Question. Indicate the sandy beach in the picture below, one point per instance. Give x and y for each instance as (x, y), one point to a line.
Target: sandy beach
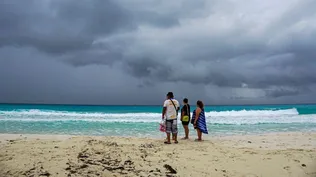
(269, 155)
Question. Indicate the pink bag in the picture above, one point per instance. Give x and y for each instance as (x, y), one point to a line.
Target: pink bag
(162, 127)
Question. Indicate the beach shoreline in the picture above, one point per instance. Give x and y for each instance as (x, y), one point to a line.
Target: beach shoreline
(273, 154)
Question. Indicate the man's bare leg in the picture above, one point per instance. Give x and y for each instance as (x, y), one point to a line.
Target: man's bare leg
(168, 139)
(175, 137)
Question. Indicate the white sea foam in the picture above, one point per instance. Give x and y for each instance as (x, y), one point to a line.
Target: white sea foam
(253, 113)
(221, 117)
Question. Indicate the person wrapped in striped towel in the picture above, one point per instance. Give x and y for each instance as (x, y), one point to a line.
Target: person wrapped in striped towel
(199, 120)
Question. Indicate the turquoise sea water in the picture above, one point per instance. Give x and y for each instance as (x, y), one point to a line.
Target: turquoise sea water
(143, 121)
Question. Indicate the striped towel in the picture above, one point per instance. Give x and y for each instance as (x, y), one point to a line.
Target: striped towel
(201, 122)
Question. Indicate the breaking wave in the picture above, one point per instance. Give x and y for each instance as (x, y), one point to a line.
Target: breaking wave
(213, 117)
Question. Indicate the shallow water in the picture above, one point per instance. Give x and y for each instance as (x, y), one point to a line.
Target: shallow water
(142, 121)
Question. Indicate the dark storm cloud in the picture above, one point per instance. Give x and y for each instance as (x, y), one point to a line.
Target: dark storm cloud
(284, 58)
(59, 26)
(257, 51)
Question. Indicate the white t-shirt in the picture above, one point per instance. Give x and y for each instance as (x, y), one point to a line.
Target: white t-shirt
(171, 112)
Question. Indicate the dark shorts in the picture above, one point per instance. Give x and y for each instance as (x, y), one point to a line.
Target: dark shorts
(186, 123)
(171, 126)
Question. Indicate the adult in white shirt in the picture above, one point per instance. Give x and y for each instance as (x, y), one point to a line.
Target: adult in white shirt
(170, 113)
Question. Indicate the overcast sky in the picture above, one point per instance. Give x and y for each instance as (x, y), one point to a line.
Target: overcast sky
(135, 51)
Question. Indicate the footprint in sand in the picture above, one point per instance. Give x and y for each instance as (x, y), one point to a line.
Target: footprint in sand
(286, 168)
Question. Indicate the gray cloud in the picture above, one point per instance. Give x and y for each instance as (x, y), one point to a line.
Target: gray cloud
(279, 92)
(135, 51)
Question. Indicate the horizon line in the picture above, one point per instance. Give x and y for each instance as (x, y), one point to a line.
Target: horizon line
(71, 104)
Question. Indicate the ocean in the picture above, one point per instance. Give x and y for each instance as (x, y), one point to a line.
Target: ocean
(143, 121)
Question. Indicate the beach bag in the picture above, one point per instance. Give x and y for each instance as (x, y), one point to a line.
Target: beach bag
(193, 117)
(185, 119)
(192, 121)
(162, 126)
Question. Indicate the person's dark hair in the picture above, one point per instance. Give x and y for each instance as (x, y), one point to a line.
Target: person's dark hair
(200, 104)
(185, 100)
(170, 95)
